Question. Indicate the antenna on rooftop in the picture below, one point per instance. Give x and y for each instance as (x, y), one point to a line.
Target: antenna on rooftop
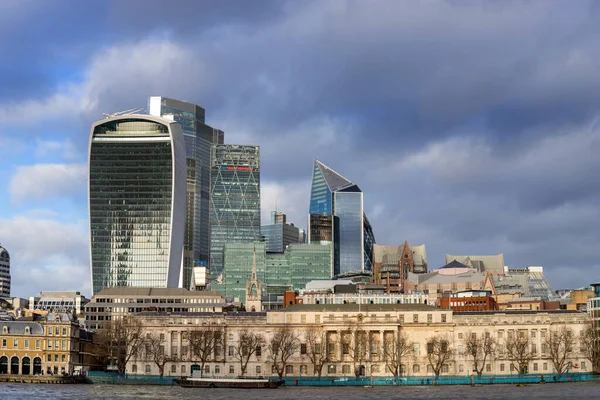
(126, 112)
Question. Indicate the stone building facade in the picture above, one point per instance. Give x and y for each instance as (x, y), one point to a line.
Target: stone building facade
(50, 345)
(379, 324)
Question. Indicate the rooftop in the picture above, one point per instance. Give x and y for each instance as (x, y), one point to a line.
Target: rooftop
(359, 307)
(156, 292)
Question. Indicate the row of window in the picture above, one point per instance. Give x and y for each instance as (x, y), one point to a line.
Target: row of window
(38, 343)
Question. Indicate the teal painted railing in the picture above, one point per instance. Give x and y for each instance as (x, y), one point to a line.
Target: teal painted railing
(129, 379)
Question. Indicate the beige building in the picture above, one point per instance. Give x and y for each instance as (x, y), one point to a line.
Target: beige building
(116, 302)
(50, 345)
(377, 324)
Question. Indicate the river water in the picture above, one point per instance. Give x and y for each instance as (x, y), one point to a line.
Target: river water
(565, 391)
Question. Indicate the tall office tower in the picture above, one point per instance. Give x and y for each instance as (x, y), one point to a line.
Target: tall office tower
(4, 272)
(336, 215)
(199, 137)
(136, 197)
(279, 234)
(234, 201)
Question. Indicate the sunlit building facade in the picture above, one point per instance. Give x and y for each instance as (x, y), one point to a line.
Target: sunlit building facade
(349, 229)
(199, 138)
(235, 200)
(136, 192)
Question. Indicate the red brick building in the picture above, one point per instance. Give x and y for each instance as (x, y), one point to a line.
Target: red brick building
(469, 301)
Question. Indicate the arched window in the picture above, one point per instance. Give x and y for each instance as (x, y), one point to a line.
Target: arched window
(231, 369)
(134, 369)
(3, 365)
(258, 370)
(5, 329)
(14, 365)
(26, 366)
(27, 330)
(303, 369)
(416, 369)
(289, 369)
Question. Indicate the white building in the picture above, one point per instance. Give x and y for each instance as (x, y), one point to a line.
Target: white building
(58, 301)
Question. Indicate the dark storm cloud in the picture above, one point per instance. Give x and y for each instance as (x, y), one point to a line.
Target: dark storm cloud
(469, 126)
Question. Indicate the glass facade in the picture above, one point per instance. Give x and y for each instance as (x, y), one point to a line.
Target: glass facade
(235, 200)
(134, 179)
(279, 272)
(278, 236)
(4, 273)
(348, 207)
(199, 138)
(350, 231)
(238, 258)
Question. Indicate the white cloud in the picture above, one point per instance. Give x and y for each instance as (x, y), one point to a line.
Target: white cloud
(113, 78)
(54, 148)
(292, 198)
(46, 254)
(40, 181)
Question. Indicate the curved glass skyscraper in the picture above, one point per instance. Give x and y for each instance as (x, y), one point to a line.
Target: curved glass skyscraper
(137, 190)
(337, 217)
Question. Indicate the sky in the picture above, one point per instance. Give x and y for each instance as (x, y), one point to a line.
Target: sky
(472, 127)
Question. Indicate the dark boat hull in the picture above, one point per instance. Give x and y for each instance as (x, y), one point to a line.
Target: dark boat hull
(238, 384)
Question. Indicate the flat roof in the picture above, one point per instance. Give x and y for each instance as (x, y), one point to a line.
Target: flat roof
(156, 292)
(359, 307)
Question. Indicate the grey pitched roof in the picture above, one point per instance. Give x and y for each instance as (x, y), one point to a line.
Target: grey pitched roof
(59, 317)
(18, 327)
(455, 264)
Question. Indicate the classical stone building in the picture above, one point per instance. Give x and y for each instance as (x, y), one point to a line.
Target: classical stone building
(50, 345)
(346, 330)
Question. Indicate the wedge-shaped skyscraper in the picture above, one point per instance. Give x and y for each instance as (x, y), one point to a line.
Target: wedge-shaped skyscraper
(337, 217)
(137, 190)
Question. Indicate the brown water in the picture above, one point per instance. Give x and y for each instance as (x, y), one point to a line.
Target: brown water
(566, 391)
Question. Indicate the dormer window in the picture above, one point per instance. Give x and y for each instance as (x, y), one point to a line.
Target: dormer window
(5, 329)
(27, 330)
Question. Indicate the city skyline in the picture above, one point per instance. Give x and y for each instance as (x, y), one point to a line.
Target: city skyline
(470, 129)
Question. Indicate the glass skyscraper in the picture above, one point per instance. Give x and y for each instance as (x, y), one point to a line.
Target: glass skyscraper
(336, 212)
(136, 202)
(235, 200)
(199, 138)
(4, 272)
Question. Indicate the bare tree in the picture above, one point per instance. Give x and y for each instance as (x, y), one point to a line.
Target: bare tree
(283, 344)
(155, 351)
(354, 344)
(247, 345)
(519, 350)
(590, 345)
(560, 346)
(396, 351)
(480, 348)
(119, 340)
(204, 344)
(316, 340)
(439, 352)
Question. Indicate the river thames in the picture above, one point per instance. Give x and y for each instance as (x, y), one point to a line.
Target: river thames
(589, 390)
